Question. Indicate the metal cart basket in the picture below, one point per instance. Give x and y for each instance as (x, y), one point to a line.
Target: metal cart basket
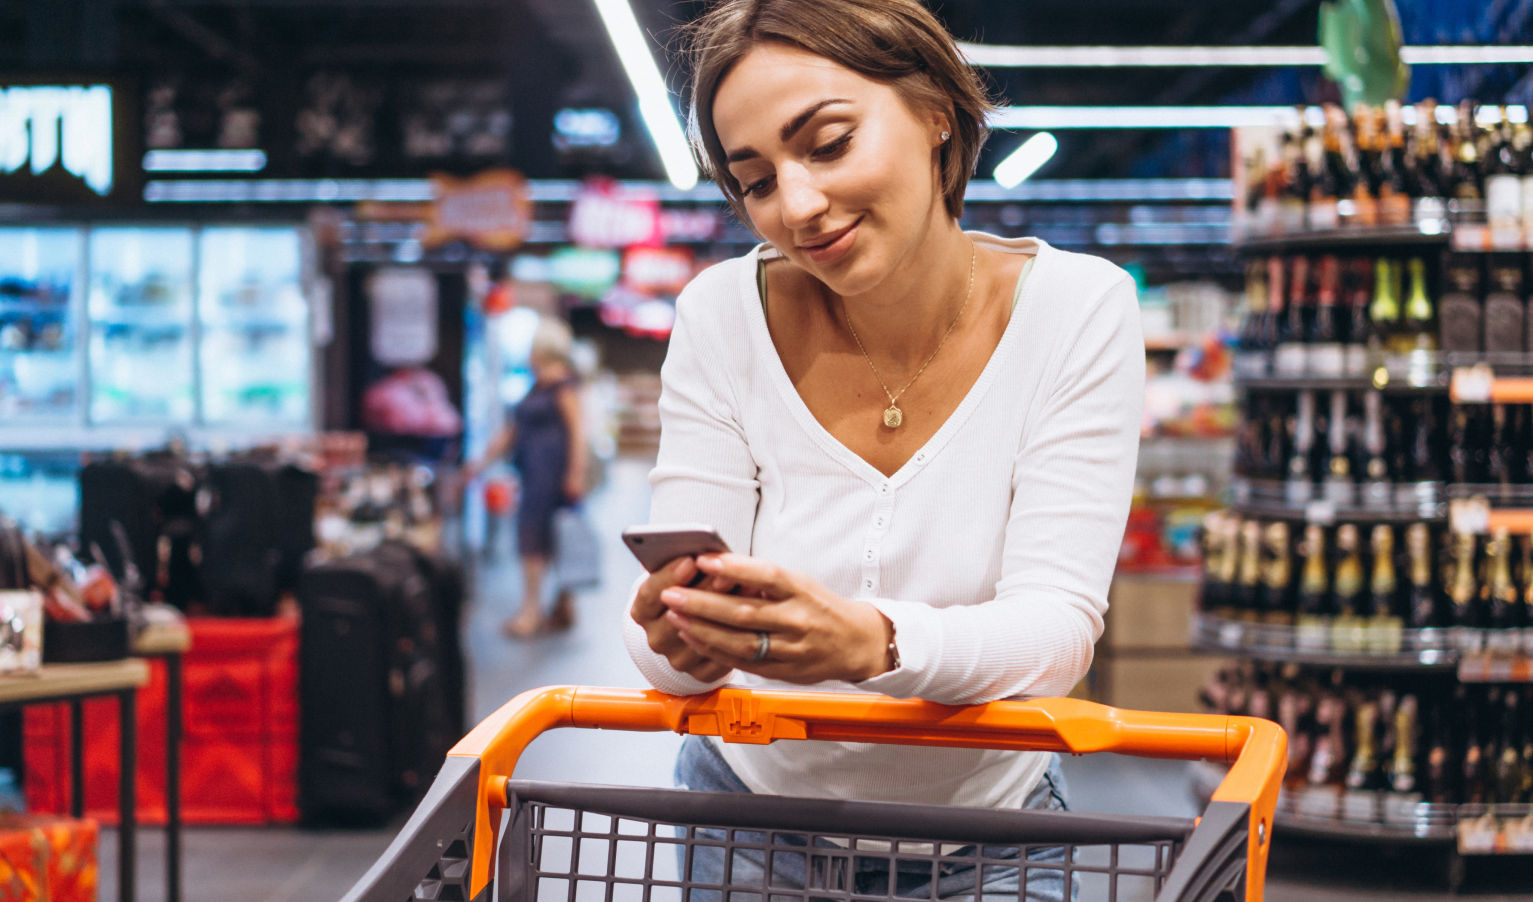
(481, 835)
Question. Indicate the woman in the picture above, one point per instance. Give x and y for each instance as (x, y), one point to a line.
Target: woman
(545, 437)
(919, 442)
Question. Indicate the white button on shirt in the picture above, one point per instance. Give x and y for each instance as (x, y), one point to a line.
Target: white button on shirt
(991, 550)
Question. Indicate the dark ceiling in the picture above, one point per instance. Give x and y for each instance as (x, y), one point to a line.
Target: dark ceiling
(536, 56)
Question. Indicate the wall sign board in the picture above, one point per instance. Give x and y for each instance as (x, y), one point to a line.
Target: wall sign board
(66, 142)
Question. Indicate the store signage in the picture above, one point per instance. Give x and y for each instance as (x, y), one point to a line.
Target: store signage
(604, 214)
(43, 126)
(657, 270)
(492, 210)
(689, 225)
(583, 271)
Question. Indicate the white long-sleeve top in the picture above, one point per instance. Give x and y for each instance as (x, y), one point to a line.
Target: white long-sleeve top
(990, 550)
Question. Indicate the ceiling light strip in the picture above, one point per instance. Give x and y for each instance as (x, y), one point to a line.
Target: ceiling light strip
(1002, 56)
(204, 161)
(654, 97)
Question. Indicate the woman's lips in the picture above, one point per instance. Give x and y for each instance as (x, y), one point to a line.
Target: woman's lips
(829, 253)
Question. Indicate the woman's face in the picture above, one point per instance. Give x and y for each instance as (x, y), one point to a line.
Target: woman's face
(838, 172)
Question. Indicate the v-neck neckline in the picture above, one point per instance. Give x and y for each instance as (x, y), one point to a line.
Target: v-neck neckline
(762, 336)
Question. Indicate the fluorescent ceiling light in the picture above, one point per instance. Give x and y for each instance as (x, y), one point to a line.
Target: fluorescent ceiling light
(1053, 117)
(1025, 160)
(204, 161)
(1021, 56)
(654, 98)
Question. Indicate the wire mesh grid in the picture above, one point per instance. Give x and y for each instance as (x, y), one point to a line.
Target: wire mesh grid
(573, 854)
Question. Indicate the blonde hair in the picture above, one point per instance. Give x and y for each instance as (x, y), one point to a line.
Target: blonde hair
(553, 340)
(896, 42)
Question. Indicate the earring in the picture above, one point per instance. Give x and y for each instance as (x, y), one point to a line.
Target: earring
(946, 135)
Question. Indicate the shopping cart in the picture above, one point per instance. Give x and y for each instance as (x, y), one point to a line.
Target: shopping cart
(480, 834)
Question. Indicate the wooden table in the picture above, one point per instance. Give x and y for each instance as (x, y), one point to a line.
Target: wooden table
(74, 683)
(169, 640)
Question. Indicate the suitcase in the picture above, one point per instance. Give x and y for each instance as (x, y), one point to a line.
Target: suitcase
(376, 715)
(259, 526)
(155, 501)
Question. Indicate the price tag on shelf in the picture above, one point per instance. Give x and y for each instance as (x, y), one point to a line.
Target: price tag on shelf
(1320, 512)
(1472, 384)
(1469, 515)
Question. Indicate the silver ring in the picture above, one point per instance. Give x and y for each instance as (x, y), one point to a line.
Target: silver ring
(763, 646)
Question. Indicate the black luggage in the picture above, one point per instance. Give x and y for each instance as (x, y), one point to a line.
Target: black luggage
(377, 708)
(152, 505)
(259, 526)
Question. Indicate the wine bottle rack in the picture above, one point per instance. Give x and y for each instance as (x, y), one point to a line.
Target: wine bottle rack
(1387, 502)
(1405, 649)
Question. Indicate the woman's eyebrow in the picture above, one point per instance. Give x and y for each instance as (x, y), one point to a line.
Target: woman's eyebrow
(788, 131)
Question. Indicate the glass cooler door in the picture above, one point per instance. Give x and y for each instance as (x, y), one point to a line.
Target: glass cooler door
(254, 322)
(140, 309)
(39, 367)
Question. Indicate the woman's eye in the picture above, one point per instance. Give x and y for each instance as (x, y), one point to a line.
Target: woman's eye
(834, 148)
(757, 189)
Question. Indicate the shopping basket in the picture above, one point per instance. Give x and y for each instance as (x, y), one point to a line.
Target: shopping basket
(479, 834)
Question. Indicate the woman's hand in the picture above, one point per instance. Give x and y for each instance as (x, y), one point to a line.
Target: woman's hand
(815, 634)
(651, 614)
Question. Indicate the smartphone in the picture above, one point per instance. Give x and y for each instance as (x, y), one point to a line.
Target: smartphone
(658, 544)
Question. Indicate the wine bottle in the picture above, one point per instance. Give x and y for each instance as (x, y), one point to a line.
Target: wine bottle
(1363, 772)
(1339, 489)
(1376, 489)
(1506, 324)
(1359, 294)
(1327, 356)
(1385, 621)
(1431, 205)
(1299, 489)
(1384, 310)
(1364, 208)
(1419, 332)
(1291, 203)
(1503, 601)
(1509, 768)
(1248, 573)
(1476, 771)
(1323, 189)
(1328, 762)
(1498, 452)
(1460, 313)
(1349, 618)
(1212, 593)
(1423, 612)
(1292, 355)
(1229, 563)
(1402, 768)
(1393, 192)
(1467, 180)
(1289, 719)
(1426, 441)
(1254, 326)
(1314, 609)
(1463, 593)
(1442, 773)
(1279, 597)
(1503, 189)
(1276, 321)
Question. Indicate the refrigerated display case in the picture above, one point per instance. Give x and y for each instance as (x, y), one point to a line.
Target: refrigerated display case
(39, 367)
(141, 325)
(253, 322)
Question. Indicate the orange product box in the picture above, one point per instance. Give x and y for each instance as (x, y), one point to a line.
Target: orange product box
(47, 857)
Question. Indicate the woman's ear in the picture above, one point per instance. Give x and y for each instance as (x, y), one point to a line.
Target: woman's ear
(941, 128)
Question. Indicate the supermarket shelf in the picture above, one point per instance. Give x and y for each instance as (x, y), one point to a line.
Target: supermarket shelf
(1479, 514)
(1430, 232)
(1479, 384)
(1407, 502)
(1429, 649)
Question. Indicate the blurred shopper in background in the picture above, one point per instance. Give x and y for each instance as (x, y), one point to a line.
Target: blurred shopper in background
(919, 441)
(545, 437)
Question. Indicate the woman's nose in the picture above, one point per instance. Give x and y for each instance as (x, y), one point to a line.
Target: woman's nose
(801, 200)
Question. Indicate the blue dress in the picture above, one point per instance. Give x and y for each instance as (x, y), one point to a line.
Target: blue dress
(540, 452)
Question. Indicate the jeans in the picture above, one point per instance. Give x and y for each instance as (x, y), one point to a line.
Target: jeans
(701, 767)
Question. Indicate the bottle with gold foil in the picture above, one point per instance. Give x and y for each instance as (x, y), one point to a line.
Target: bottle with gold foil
(1229, 563)
(1213, 593)
(1314, 609)
(1277, 575)
(1248, 571)
(1504, 605)
(1402, 766)
(1349, 620)
(1364, 209)
(1463, 591)
(1393, 191)
(1384, 623)
(1363, 771)
(1423, 607)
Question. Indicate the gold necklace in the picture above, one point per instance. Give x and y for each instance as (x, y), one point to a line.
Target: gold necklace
(893, 416)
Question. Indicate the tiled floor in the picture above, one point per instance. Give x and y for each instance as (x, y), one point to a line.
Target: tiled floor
(300, 865)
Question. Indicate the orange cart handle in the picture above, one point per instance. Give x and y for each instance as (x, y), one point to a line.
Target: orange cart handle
(1258, 748)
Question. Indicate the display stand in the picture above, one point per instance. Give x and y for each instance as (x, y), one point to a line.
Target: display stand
(1469, 655)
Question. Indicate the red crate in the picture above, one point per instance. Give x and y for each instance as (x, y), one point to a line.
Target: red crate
(239, 754)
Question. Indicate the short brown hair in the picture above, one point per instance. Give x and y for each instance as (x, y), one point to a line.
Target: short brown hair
(897, 42)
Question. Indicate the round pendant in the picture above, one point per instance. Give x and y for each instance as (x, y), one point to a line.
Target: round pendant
(893, 417)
